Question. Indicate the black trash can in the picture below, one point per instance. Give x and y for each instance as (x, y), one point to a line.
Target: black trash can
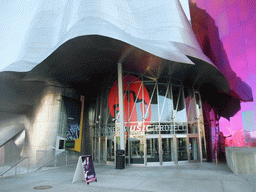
(120, 159)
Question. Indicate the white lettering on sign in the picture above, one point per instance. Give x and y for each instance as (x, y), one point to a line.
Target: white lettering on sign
(147, 128)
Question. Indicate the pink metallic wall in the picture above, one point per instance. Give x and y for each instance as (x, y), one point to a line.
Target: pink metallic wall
(226, 31)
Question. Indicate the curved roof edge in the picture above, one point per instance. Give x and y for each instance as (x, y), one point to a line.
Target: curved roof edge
(159, 39)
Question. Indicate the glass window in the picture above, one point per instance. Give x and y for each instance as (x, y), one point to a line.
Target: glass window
(134, 102)
(105, 113)
(190, 105)
(165, 103)
(113, 103)
(191, 111)
(152, 91)
(179, 104)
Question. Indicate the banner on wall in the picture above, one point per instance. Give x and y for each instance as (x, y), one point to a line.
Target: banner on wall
(85, 170)
(73, 109)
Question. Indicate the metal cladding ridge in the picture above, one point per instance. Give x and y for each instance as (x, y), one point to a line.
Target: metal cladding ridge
(157, 28)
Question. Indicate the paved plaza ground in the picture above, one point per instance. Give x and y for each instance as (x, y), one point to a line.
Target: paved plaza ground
(187, 177)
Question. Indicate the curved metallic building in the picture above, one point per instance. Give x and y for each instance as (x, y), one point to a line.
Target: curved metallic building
(73, 48)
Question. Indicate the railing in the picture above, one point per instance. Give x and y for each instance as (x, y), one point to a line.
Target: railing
(15, 165)
(55, 161)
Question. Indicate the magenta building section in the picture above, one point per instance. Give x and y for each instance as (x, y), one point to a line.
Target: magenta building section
(226, 31)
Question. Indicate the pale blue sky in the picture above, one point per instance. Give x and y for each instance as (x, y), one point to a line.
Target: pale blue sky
(15, 17)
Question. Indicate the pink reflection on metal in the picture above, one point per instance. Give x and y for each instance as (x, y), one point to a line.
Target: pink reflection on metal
(235, 21)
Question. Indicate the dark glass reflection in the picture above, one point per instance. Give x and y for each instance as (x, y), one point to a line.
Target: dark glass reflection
(165, 103)
(182, 149)
(179, 104)
(152, 91)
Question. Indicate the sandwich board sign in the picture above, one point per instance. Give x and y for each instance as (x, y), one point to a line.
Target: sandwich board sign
(85, 170)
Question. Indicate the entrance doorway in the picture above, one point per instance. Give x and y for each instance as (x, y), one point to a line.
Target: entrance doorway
(194, 152)
(136, 149)
(182, 149)
(152, 150)
(110, 149)
(171, 149)
(168, 150)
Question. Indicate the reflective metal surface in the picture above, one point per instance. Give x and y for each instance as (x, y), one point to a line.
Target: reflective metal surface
(78, 43)
(10, 129)
(70, 41)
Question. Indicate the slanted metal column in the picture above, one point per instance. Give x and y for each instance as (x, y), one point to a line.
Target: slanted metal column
(121, 106)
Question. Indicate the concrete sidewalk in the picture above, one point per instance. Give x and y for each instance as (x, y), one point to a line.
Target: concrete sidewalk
(187, 177)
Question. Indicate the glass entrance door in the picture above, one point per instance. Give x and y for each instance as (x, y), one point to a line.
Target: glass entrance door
(136, 150)
(182, 150)
(168, 150)
(103, 150)
(164, 149)
(110, 150)
(194, 152)
(152, 150)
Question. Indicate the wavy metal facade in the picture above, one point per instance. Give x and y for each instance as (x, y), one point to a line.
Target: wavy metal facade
(159, 30)
(79, 42)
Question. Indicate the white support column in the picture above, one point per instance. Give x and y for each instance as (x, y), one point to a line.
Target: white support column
(99, 149)
(175, 149)
(121, 106)
(93, 156)
(200, 142)
(106, 149)
(129, 151)
(145, 150)
(160, 150)
(115, 149)
(95, 149)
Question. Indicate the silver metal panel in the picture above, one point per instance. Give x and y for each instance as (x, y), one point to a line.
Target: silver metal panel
(91, 36)
(10, 128)
(159, 28)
